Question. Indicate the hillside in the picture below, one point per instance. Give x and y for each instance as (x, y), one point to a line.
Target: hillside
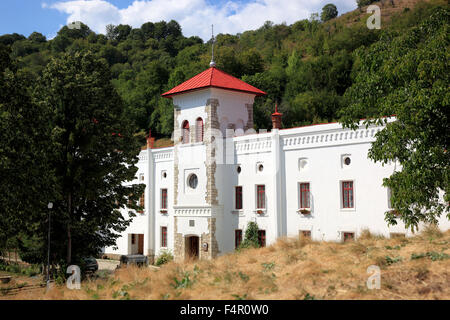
(412, 268)
(307, 66)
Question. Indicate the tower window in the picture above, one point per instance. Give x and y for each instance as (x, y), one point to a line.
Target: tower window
(199, 130)
(347, 194)
(163, 237)
(304, 195)
(193, 181)
(237, 238)
(238, 197)
(163, 198)
(186, 131)
(261, 197)
(262, 238)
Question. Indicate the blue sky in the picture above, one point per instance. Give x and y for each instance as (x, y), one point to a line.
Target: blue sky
(195, 16)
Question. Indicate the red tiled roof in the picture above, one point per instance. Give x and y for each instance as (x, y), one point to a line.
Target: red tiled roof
(213, 77)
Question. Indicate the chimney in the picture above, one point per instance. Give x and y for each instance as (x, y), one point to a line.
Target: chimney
(150, 140)
(276, 118)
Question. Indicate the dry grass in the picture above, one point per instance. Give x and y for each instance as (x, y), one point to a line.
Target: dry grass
(290, 269)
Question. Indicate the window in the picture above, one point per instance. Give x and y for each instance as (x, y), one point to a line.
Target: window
(238, 197)
(133, 238)
(193, 181)
(163, 198)
(237, 238)
(262, 238)
(347, 194)
(185, 133)
(238, 169)
(163, 236)
(141, 177)
(191, 223)
(260, 168)
(199, 130)
(260, 196)
(305, 234)
(304, 195)
(142, 202)
(349, 236)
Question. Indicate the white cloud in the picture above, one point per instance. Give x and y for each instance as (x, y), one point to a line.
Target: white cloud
(194, 16)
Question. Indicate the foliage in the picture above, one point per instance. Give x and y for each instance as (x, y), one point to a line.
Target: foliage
(406, 75)
(251, 236)
(164, 257)
(329, 11)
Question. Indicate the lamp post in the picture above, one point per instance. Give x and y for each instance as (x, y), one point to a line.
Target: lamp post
(50, 206)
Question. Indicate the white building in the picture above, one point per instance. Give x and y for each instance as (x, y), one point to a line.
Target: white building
(314, 181)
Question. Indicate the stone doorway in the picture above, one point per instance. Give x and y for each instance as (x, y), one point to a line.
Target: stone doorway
(192, 247)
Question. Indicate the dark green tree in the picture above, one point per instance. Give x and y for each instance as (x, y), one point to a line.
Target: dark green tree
(24, 172)
(251, 239)
(94, 152)
(329, 11)
(407, 76)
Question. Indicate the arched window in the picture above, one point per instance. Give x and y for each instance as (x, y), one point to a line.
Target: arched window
(185, 133)
(199, 130)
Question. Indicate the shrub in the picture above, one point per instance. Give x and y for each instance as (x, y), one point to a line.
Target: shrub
(164, 257)
(251, 236)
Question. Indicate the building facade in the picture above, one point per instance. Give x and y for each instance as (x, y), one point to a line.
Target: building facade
(314, 181)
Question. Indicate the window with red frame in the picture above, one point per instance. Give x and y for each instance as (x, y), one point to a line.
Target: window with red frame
(347, 194)
(305, 234)
(262, 238)
(142, 202)
(186, 131)
(238, 198)
(163, 198)
(237, 238)
(261, 197)
(304, 195)
(163, 236)
(349, 236)
(199, 130)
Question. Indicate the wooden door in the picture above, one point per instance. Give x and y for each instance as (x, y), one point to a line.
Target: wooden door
(140, 244)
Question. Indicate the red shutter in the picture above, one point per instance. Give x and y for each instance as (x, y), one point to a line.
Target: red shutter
(261, 197)
(347, 194)
(304, 195)
(163, 236)
(163, 198)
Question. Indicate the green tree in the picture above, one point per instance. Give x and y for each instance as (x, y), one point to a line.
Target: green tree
(407, 76)
(251, 239)
(329, 11)
(94, 152)
(24, 172)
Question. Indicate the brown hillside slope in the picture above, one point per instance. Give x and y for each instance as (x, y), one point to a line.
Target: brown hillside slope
(412, 268)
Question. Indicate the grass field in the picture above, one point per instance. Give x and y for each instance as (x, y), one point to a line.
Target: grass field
(411, 268)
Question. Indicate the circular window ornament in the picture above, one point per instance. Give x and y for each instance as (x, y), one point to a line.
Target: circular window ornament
(193, 181)
(347, 161)
(260, 168)
(239, 169)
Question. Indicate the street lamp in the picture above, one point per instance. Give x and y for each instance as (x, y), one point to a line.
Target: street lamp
(50, 206)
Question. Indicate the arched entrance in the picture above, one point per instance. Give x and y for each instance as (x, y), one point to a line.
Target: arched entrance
(192, 247)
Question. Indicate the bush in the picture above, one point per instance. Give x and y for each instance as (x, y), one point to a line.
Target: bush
(164, 257)
(251, 236)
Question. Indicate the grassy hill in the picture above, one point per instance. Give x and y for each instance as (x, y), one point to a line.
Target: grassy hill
(411, 268)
